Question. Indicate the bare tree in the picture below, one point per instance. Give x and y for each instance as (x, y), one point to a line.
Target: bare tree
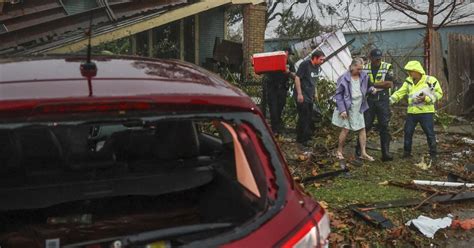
(425, 14)
(273, 4)
(273, 10)
(303, 27)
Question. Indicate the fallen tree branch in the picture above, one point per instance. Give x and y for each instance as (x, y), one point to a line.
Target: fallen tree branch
(463, 196)
(426, 200)
(413, 187)
(324, 176)
(398, 131)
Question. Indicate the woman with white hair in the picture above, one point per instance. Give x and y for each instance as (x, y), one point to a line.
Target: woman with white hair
(351, 102)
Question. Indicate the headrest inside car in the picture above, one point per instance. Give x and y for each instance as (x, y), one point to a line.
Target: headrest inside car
(176, 139)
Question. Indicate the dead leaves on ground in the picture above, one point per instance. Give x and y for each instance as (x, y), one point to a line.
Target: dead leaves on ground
(303, 157)
(339, 224)
(335, 238)
(324, 204)
(384, 183)
(347, 233)
(396, 233)
(350, 232)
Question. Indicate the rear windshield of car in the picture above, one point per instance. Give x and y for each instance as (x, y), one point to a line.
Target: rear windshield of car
(72, 153)
(65, 178)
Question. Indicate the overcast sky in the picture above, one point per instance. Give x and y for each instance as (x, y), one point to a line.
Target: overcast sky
(363, 16)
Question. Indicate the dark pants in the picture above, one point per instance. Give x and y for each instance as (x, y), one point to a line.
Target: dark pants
(378, 108)
(276, 96)
(304, 126)
(427, 124)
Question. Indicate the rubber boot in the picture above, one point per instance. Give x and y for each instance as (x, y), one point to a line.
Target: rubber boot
(385, 146)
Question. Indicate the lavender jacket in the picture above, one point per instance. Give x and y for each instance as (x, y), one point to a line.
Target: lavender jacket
(343, 95)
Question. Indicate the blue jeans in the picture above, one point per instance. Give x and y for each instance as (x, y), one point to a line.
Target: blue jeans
(427, 124)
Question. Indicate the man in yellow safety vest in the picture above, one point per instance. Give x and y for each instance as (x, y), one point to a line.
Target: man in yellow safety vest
(381, 78)
(423, 92)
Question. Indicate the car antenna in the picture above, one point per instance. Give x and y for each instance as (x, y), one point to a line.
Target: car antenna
(89, 68)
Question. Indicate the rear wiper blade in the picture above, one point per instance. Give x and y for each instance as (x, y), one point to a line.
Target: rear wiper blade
(151, 236)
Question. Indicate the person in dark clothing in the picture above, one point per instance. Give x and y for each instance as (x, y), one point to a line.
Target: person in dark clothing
(277, 88)
(305, 85)
(381, 77)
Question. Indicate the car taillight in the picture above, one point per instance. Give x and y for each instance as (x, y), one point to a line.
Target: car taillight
(324, 227)
(313, 233)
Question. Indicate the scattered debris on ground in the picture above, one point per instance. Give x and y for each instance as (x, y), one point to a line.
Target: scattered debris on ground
(468, 141)
(370, 203)
(464, 224)
(371, 216)
(429, 226)
(323, 176)
(423, 165)
(444, 184)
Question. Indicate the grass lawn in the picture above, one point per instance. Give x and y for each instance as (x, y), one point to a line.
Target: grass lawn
(369, 184)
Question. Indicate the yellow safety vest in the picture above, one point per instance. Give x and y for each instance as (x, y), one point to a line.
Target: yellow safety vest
(429, 86)
(381, 73)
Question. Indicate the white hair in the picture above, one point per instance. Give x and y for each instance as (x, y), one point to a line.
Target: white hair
(355, 62)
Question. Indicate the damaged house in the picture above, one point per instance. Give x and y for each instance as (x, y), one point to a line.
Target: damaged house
(177, 29)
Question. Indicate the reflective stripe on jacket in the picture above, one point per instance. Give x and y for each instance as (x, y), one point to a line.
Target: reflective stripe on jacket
(428, 85)
(381, 73)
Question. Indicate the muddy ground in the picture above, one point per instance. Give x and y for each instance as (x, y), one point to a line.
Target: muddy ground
(372, 183)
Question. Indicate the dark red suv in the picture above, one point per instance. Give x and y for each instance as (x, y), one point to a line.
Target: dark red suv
(147, 153)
